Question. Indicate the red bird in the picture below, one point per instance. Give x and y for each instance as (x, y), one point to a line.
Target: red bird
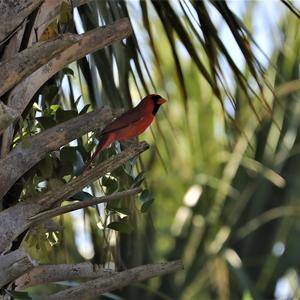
(130, 124)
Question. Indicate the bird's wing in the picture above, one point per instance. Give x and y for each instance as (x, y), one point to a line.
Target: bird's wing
(125, 120)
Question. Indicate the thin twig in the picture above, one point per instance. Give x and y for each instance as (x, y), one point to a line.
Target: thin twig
(292, 8)
(74, 206)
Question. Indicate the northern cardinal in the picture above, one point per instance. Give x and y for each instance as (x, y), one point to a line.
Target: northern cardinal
(129, 125)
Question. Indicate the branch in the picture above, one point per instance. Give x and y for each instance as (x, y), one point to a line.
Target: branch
(87, 43)
(74, 206)
(44, 274)
(29, 60)
(14, 44)
(7, 116)
(15, 220)
(13, 265)
(96, 287)
(21, 158)
(48, 11)
(13, 13)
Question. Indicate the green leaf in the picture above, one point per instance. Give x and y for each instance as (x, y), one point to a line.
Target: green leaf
(82, 152)
(146, 200)
(122, 226)
(78, 163)
(118, 172)
(54, 108)
(247, 295)
(68, 71)
(81, 196)
(71, 161)
(77, 100)
(145, 206)
(50, 91)
(46, 122)
(65, 115)
(145, 196)
(85, 109)
(138, 180)
(67, 157)
(121, 210)
(110, 183)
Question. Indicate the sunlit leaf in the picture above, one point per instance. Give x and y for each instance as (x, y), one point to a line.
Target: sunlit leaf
(54, 108)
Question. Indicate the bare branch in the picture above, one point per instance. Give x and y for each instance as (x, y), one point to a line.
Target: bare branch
(13, 13)
(13, 46)
(15, 220)
(7, 116)
(22, 158)
(27, 61)
(44, 274)
(92, 289)
(47, 12)
(74, 206)
(88, 42)
(13, 265)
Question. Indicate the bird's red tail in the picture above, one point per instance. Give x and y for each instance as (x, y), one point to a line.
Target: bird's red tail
(105, 141)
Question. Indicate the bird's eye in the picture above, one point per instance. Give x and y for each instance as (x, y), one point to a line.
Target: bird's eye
(156, 98)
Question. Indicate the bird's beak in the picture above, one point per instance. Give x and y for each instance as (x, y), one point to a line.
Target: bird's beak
(161, 101)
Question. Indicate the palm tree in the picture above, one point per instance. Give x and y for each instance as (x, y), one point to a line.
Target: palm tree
(227, 147)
